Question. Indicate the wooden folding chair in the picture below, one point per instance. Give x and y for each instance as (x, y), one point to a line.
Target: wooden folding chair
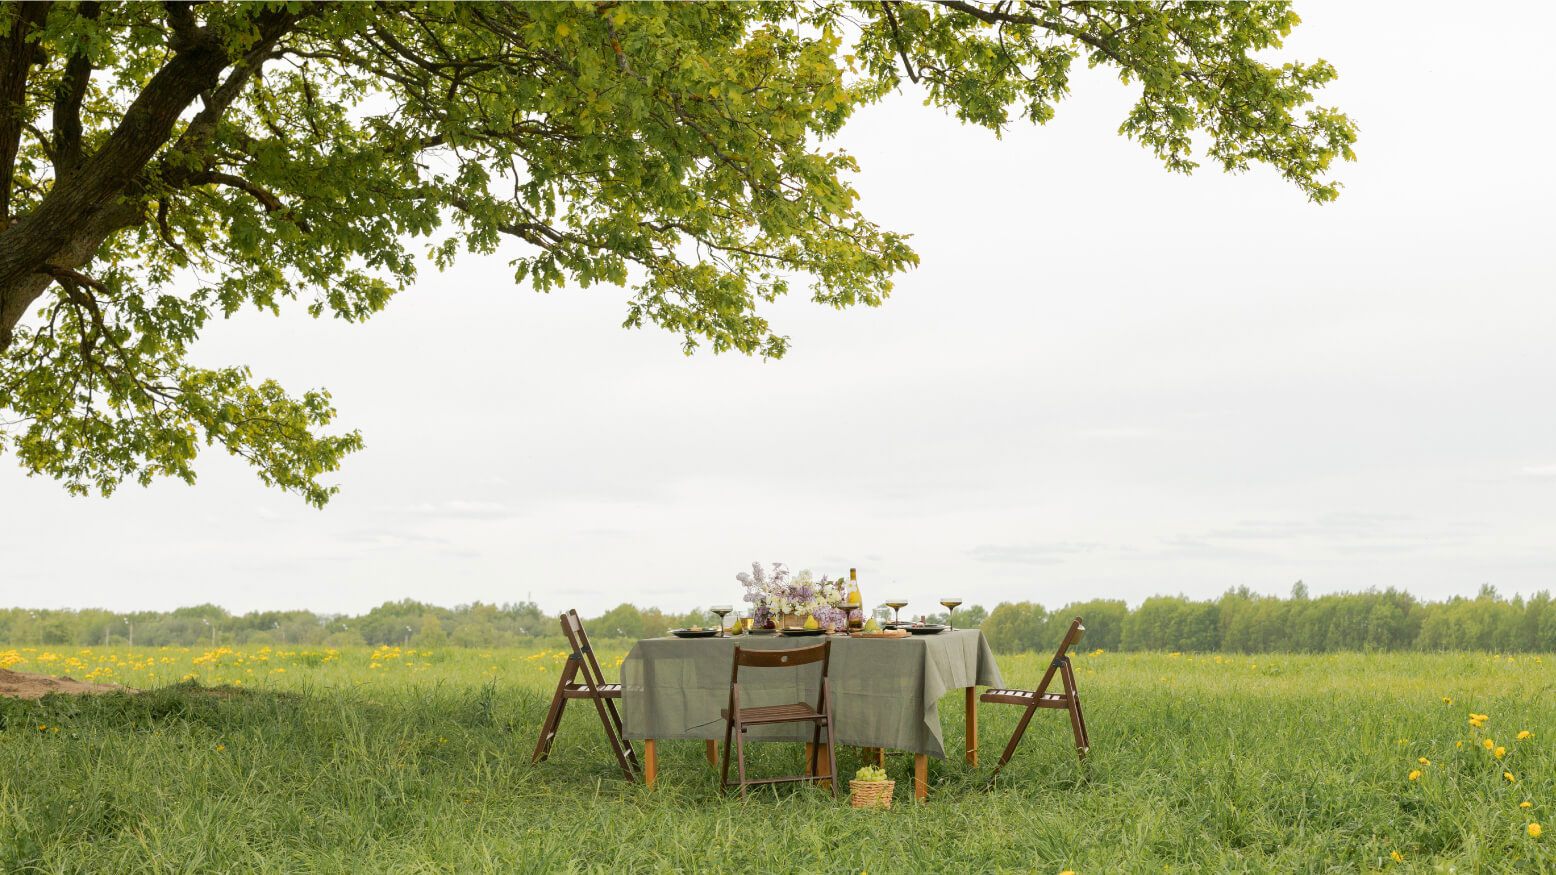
(1070, 699)
(737, 719)
(594, 688)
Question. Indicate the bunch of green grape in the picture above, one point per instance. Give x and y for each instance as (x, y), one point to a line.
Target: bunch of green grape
(870, 773)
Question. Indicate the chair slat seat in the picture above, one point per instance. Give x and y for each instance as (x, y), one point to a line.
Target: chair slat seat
(582, 691)
(1025, 697)
(776, 714)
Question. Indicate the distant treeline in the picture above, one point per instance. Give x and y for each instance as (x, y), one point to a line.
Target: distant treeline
(405, 622)
(1238, 621)
(1242, 622)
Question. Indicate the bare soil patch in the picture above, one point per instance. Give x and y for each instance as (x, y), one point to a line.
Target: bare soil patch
(24, 685)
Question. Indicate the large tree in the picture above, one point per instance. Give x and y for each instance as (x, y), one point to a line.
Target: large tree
(166, 163)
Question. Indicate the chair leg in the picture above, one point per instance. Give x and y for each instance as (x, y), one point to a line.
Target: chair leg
(729, 726)
(1075, 728)
(740, 759)
(626, 743)
(831, 758)
(610, 735)
(548, 729)
(1081, 716)
(1015, 739)
(1077, 719)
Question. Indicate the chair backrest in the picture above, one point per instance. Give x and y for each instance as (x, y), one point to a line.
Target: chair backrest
(572, 628)
(1071, 638)
(792, 658)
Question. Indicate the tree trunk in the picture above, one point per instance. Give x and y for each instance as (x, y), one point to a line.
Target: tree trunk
(17, 296)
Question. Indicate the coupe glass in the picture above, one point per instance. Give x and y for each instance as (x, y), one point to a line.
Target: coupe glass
(950, 602)
(896, 605)
(722, 611)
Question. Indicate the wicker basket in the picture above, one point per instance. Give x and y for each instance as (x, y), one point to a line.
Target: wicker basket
(871, 794)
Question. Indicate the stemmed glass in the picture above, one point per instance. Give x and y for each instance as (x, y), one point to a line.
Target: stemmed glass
(722, 611)
(950, 602)
(896, 604)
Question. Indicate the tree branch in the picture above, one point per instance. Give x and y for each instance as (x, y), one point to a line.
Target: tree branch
(896, 39)
(67, 103)
(17, 55)
(267, 199)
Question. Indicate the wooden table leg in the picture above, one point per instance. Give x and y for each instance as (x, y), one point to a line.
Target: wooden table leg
(880, 757)
(713, 752)
(650, 762)
(921, 777)
(972, 727)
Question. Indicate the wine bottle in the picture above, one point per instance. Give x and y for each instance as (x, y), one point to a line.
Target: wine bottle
(855, 601)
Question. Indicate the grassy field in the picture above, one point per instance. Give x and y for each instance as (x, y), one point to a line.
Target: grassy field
(405, 761)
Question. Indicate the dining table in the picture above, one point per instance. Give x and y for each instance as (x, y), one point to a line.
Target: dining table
(886, 692)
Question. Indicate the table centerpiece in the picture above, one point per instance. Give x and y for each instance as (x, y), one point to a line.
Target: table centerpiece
(783, 600)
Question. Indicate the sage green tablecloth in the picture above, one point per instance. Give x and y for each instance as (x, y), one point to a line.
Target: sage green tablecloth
(884, 691)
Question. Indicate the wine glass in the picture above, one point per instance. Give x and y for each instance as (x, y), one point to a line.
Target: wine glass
(896, 605)
(950, 602)
(722, 611)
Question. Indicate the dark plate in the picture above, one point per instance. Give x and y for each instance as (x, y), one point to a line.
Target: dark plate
(688, 633)
(924, 630)
(801, 633)
(760, 631)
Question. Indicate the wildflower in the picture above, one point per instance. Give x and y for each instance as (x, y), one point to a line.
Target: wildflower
(1415, 774)
(1424, 761)
(1398, 857)
(1489, 744)
(1458, 744)
(1534, 830)
(1447, 701)
(1499, 752)
(221, 747)
(1525, 804)
(1523, 735)
(1509, 776)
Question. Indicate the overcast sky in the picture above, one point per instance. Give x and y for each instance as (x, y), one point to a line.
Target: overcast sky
(1102, 381)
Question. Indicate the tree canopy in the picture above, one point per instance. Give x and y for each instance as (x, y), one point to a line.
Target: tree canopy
(169, 163)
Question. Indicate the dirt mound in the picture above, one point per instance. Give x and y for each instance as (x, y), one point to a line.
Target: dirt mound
(22, 685)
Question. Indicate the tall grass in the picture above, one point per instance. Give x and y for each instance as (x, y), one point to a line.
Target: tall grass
(406, 762)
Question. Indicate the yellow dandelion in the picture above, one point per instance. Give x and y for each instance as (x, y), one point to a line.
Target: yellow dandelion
(1499, 752)
(1068, 872)
(1523, 735)
(221, 747)
(1525, 804)
(1423, 761)
(1489, 744)
(1415, 774)
(1458, 744)
(1447, 701)
(1534, 830)
(1398, 857)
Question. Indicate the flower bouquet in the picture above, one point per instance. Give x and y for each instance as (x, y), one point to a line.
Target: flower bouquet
(787, 599)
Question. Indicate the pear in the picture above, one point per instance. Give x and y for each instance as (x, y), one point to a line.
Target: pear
(810, 623)
(871, 626)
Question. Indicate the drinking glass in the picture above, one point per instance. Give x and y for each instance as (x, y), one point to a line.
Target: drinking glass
(950, 602)
(896, 605)
(722, 611)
